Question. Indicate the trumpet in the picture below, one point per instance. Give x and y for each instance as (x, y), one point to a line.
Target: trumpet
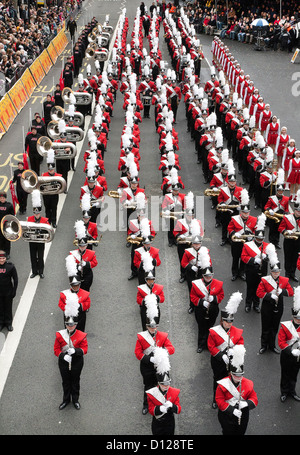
(44, 144)
(13, 229)
(187, 239)
(47, 185)
(74, 133)
(243, 238)
(135, 241)
(57, 113)
(277, 217)
(89, 242)
(114, 194)
(211, 192)
(82, 98)
(226, 207)
(172, 215)
(293, 236)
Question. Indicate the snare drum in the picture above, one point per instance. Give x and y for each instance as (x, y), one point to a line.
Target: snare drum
(146, 100)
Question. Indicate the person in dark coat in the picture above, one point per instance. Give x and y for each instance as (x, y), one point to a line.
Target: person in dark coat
(21, 194)
(6, 208)
(47, 106)
(31, 147)
(72, 27)
(8, 289)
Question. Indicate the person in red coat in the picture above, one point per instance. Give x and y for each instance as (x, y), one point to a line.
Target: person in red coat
(145, 257)
(272, 289)
(96, 192)
(37, 249)
(147, 341)
(70, 346)
(288, 342)
(206, 295)
(221, 340)
(149, 288)
(163, 403)
(235, 396)
(51, 200)
(289, 226)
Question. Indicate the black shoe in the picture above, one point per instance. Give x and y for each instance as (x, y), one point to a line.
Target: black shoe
(294, 278)
(170, 244)
(199, 350)
(76, 405)
(217, 225)
(63, 405)
(1, 327)
(54, 225)
(145, 410)
(295, 396)
(247, 308)
(277, 351)
(9, 327)
(131, 277)
(214, 405)
(223, 243)
(257, 309)
(181, 279)
(128, 244)
(283, 397)
(33, 275)
(234, 277)
(243, 276)
(190, 310)
(42, 275)
(262, 350)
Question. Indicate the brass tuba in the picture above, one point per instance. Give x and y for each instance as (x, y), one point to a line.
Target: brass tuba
(82, 98)
(57, 113)
(74, 133)
(13, 229)
(46, 185)
(44, 144)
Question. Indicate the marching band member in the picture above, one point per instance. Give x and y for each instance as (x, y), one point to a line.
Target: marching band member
(91, 228)
(221, 340)
(288, 341)
(8, 289)
(206, 295)
(149, 288)
(70, 346)
(272, 288)
(256, 260)
(293, 178)
(235, 396)
(173, 206)
(95, 190)
(51, 200)
(147, 341)
(146, 257)
(239, 227)
(6, 208)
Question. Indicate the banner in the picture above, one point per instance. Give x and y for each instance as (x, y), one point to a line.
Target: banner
(45, 61)
(2, 129)
(60, 42)
(18, 95)
(52, 53)
(7, 111)
(28, 82)
(37, 71)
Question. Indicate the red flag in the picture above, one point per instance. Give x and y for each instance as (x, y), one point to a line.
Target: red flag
(25, 160)
(13, 195)
(61, 81)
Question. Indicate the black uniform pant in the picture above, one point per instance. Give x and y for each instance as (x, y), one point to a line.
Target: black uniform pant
(63, 167)
(289, 372)
(180, 250)
(35, 162)
(270, 320)
(238, 266)
(164, 425)
(149, 379)
(37, 257)
(229, 423)
(6, 302)
(274, 234)
(291, 249)
(4, 244)
(22, 198)
(205, 319)
(253, 277)
(50, 202)
(87, 280)
(220, 371)
(70, 377)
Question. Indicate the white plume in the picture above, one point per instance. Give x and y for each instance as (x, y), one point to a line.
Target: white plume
(244, 197)
(161, 360)
(86, 202)
(189, 201)
(234, 302)
(72, 304)
(151, 306)
(80, 229)
(261, 222)
(71, 265)
(272, 254)
(147, 261)
(36, 198)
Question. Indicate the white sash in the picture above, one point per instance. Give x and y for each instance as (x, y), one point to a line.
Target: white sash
(150, 340)
(254, 247)
(156, 393)
(65, 335)
(291, 328)
(228, 385)
(224, 335)
(201, 286)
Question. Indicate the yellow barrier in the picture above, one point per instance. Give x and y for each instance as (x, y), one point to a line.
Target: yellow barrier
(45, 60)
(18, 95)
(60, 42)
(7, 111)
(37, 71)
(28, 82)
(52, 53)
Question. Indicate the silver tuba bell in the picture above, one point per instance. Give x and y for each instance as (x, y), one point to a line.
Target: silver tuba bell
(46, 185)
(13, 229)
(57, 113)
(62, 150)
(82, 98)
(73, 133)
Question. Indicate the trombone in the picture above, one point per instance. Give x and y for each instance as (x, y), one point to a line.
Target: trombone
(243, 238)
(47, 185)
(89, 242)
(13, 229)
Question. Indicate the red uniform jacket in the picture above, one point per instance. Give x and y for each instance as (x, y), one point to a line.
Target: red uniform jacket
(278, 205)
(218, 338)
(78, 339)
(182, 227)
(44, 220)
(89, 256)
(96, 192)
(287, 334)
(134, 227)
(251, 250)
(201, 290)
(137, 258)
(236, 224)
(146, 341)
(226, 391)
(268, 284)
(226, 196)
(289, 223)
(143, 290)
(156, 399)
(83, 299)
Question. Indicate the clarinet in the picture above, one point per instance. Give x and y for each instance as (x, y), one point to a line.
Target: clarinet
(239, 418)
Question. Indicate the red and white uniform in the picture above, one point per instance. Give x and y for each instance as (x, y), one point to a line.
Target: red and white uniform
(156, 398)
(219, 339)
(78, 339)
(268, 284)
(227, 197)
(287, 334)
(143, 290)
(146, 343)
(88, 256)
(182, 227)
(289, 223)
(294, 171)
(264, 119)
(251, 250)
(201, 290)
(228, 395)
(129, 197)
(83, 299)
(138, 253)
(95, 193)
(281, 143)
(288, 154)
(272, 132)
(278, 205)
(174, 202)
(238, 225)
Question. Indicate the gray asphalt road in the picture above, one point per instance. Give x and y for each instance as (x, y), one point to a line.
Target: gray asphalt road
(111, 385)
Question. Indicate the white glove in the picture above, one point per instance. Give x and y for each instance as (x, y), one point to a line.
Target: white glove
(279, 291)
(237, 413)
(71, 351)
(198, 264)
(163, 409)
(264, 256)
(230, 352)
(182, 236)
(257, 261)
(243, 404)
(225, 359)
(271, 212)
(79, 268)
(68, 358)
(210, 298)
(215, 189)
(194, 268)
(167, 212)
(296, 352)
(120, 191)
(218, 165)
(133, 236)
(168, 404)
(205, 303)
(83, 263)
(152, 359)
(125, 203)
(171, 206)
(289, 232)
(238, 235)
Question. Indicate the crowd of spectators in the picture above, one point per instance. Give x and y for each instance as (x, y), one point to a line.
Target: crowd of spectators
(26, 30)
(233, 20)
